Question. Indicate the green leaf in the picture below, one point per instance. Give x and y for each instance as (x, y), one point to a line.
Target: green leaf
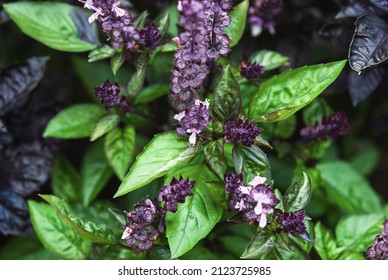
(57, 25)
(197, 216)
(235, 30)
(95, 172)
(356, 233)
(215, 158)
(55, 234)
(238, 159)
(269, 59)
(260, 245)
(164, 152)
(283, 95)
(119, 148)
(65, 180)
(104, 125)
(227, 96)
(298, 195)
(315, 111)
(366, 160)
(255, 162)
(140, 20)
(99, 234)
(151, 93)
(26, 247)
(116, 62)
(74, 122)
(348, 189)
(218, 193)
(101, 52)
(136, 82)
(163, 23)
(325, 243)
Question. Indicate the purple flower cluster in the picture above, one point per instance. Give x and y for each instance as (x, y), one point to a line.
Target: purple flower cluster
(251, 70)
(139, 234)
(262, 15)
(116, 21)
(193, 120)
(292, 222)
(379, 249)
(150, 36)
(202, 41)
(255, 201)
(108, 94)
(241, 132)
(174, 193)
(331, 127)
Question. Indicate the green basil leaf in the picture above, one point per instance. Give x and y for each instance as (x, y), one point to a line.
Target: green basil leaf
(104, 125)
(235, 30)
(99, 234)
(325, 244)
(55, 234)
(227, 96)
(164, 152)
(197, 216)
(65, 180)
(95, 172)
(356, 233)
(116, 62)
(119, 148)
(260, 245)
(283, 95)
(215, 158)
(101, 52)
(348, 189)
(136, 82)
(269, 59)
(74, 122)
(151, 93)
(238, 159)
(298, 195)
(57, 25)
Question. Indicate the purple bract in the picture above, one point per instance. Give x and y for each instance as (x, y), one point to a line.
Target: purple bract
(241, 132)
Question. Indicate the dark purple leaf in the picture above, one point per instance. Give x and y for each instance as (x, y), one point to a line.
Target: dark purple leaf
(3, 17)
(3, 128)
(361, 86)
(14, 218)
(24, 168)
(382, 4)
(339, 34)
(18, 80)
(359, 8)
(370, 43)
(86, 32)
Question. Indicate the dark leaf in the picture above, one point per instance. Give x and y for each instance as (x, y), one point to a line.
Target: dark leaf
(3, 17)
(18, 80)
(260, 245)
(370, 43)
(3, 128)
(227, 96)
(339, 34)
(215, 158)
(363, 85)
(158, 252)
(13, 214)
(86, 32)
(359, 8)
(238, 159)
(255, 162)
(298, 195)
(24, 168)
(382, 4)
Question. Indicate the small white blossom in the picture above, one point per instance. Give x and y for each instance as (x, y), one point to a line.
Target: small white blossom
(258, 180)
(127, 232)
(118, 11)
(205, 103)
(180, 116)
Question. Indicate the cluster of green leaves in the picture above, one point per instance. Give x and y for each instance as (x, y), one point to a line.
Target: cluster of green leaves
(73, 225)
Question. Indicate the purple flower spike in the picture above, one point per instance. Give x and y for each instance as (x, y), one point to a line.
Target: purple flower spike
(262, 15)
(108, 94)
(233, 183)
(174, 193)
(193, 120)
(150, 36)
(241, 132)
(292, 222)
(116, 22)
(379, 249)
(251, 70)
(139, 234)
(331, 127)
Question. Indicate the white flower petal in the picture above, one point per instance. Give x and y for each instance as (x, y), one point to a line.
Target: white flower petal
(257, 181)
(263, 221)
(258, 209)
(256, 30)
(94, 16)
(180, 116)
(127, 232)
(245, 190)
(193, 138)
